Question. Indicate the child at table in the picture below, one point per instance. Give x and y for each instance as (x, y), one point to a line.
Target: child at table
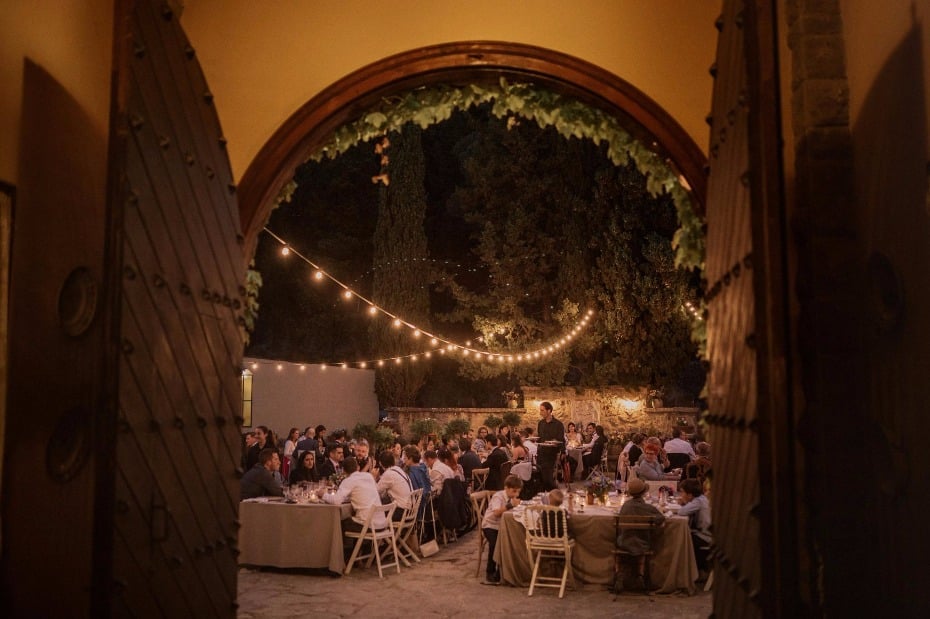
(500, 501)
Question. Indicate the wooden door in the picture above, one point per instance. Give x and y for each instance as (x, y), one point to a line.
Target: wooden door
(178, 443)
(120, 492)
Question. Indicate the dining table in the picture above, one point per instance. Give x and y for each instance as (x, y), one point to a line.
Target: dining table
(277, 533)
(673, 567)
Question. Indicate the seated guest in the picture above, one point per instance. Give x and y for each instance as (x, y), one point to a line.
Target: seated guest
(334, 461)
(290, 456)
(394, 484)
(700, 468)
(572, 437)
(307, 442)
(305, 469)
(480, 443)
(366, 463)
(649, 466)
(501, 501)
(679, 444)
(517, 450)
(495, 459)
(439, 471)
(697, 508)
(636, 449)
(556, 497)
(529, 444)
(592, 458)
(448, 456)
(259, 480)
(638, 542)
(360, 490)
(657, 443)
(261, 436)
(468, 460)
(418, 472)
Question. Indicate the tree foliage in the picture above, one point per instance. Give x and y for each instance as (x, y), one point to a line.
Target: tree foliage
(401, 275)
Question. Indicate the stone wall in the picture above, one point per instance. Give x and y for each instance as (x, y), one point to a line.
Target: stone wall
(620, 411)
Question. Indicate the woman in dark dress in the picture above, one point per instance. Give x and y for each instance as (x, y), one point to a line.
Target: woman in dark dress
(305, 469)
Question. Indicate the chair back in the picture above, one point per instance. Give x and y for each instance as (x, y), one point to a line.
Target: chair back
(678, 461)
(546, 526)
(479, 503)
(644, 526)
(478, 478)
(410, 515)
(505, 470)
(373, 511)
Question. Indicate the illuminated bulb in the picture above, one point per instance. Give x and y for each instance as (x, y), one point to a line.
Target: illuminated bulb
(372, 310)
(509, 357)
(381, 363)
(347, 294)
(450, 347)
(254, 366)
(285, 250)
(519, 357)
(397, 322)
(363, 365)
(416, 333)
(590, 312)
(413, 357)
(434, 341)
(318, 275)
(279, 367)
(345, 365)
(427, 354)
(464, 352)
(468, 342)
(442, 351)
(536, 355)
(323, 367)
(302, 367)
(397, 360)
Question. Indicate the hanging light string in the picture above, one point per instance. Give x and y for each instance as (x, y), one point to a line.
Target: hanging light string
(448, 346)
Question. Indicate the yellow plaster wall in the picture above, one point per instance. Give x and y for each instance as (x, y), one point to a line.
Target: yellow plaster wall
(263, 60)
(72, 41)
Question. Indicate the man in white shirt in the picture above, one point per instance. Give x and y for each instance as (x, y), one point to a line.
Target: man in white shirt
(679, 445)
(439, 471)
(360, 490)
(394, 484)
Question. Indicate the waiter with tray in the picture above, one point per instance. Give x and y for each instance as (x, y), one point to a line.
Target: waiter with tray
(551, 443)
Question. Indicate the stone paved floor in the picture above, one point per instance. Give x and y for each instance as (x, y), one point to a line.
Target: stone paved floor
(443, 585)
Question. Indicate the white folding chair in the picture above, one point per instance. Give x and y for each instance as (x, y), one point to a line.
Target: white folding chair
(547, 537)
(377, 537)
(404, 528)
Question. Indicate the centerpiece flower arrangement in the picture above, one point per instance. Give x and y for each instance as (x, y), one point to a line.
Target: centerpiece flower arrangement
(598, 487)
(336, 479)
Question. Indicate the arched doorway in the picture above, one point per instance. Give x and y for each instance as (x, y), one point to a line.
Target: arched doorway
(309, 127)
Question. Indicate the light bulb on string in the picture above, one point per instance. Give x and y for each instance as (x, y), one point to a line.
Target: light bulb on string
(347, 294)
(285, 251)
(318, 275)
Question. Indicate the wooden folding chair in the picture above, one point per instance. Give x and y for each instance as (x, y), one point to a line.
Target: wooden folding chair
(377, 537)
(479, 478)
(479, 504)
(405, 528)
(547, 537)
(634, 523)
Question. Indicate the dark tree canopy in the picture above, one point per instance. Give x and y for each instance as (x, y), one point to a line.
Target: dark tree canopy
(525, 230)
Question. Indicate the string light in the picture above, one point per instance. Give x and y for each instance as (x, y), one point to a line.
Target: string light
(439, 343)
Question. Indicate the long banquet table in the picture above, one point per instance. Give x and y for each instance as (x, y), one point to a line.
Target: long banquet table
(281, 534)
(673, 567)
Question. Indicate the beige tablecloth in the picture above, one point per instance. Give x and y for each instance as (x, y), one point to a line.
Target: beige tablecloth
(289, 535)
(673, 566)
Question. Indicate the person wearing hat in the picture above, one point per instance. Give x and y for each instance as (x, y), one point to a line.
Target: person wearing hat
(637, 542)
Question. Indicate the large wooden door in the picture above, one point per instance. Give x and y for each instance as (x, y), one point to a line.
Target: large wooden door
(120, 492)
(177, 444)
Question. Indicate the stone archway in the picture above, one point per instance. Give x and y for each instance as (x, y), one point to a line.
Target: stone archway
(310, 126)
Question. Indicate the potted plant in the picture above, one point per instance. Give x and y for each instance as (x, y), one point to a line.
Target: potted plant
(493, 422)
(456, 428)
(512, 419)
(424, 427)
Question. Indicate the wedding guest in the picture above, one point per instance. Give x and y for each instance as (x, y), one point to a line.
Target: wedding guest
(360, 490)
(259, 480)
(290, 444)
(305, 470)
(334, 461)
(469, 460)
(572, 437)
(501, 501)
(394, 484)
(307, 442)
(696, 508)
(638, 542)
(649, 466)
(479, 443)
(495, 459)
(592, 458)
(260, 434)
(418, 472)
(700, 468)
(366, 463)
(439, 471)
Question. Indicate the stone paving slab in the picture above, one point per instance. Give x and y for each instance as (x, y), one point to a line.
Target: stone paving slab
(443, 585)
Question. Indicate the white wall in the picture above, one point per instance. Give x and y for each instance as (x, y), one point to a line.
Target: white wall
(291, 397)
